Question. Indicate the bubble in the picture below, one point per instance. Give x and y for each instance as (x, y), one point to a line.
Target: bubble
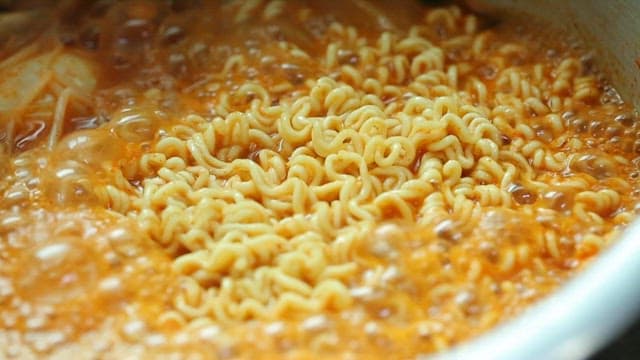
(597, 166)
(172, 34)
(522, 195)
(626, 119)
(558, 200)
(579, 125)
(53, 255)
(447, 230)
(135, 126)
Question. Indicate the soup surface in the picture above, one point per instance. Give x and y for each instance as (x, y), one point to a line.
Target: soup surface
(260, 179)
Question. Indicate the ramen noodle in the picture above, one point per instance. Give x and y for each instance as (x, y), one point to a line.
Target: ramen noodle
(260, 179)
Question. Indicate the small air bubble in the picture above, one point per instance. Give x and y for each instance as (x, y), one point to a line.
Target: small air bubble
(522, 195)
(447, 230)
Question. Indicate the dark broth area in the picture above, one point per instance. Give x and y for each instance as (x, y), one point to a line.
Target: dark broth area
(79, 274)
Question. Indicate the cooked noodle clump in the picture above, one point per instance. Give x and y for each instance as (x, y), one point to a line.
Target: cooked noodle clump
(417, 184)
(267, 203)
